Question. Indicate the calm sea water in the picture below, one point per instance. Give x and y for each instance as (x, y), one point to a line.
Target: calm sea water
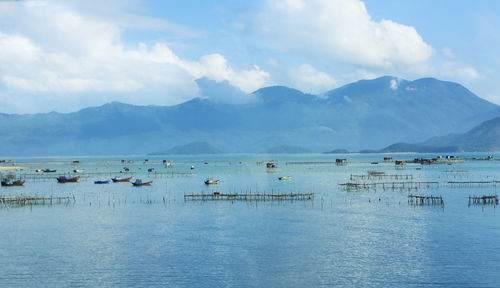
(118, 235)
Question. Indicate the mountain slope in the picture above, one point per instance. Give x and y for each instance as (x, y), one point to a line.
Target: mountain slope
(364, 114)
(416, 148)
(484, 137)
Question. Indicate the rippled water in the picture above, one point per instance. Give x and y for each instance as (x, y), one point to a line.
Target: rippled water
(118, 235)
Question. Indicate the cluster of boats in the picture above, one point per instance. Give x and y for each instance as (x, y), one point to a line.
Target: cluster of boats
(137, 182)
(64, 179)
(45, 170)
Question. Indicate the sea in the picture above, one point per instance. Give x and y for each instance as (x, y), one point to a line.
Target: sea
(371, 233)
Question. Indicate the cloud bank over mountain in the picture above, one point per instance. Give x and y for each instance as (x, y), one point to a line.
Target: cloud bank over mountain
(66, 55)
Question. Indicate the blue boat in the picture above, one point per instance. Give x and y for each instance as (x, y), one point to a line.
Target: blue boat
(102, 182)
(138, 182)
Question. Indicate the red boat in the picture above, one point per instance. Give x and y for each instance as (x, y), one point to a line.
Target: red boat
(64, 179)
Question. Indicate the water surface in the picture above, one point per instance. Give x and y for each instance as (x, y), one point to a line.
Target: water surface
(118, 235)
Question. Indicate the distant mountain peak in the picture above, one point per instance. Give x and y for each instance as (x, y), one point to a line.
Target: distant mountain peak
(278, 94)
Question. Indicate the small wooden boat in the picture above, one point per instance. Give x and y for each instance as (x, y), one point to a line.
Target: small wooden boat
(78, 171)
(151, 170)
(64, 179)
(10, 182)
(102, 182)
(49, 171)
(285, 178)
(138, 182)
(211, 182)
(271, 165)
(118, 179)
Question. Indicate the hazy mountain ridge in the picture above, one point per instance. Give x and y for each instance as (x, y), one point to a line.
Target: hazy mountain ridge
(483, 137)
(415, 148)
(287, 149)
(360, 115)
(190, 148)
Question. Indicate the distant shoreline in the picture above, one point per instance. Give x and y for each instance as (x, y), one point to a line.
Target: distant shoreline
(13, 168)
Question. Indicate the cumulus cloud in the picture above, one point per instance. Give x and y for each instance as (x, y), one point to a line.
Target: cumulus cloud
(309, 79)
(340, 30)
(222, 92)
(459, 71)
(58, 51)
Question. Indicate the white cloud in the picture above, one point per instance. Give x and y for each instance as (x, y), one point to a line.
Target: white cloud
(340, 30)
(448, 53)
(458, 71)
(58, 51)
(394, 84)
(309, 79)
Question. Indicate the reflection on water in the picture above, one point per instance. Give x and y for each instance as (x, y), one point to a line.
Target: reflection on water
(119, 235)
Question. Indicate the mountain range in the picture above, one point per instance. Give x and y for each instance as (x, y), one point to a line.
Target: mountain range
(360, 115)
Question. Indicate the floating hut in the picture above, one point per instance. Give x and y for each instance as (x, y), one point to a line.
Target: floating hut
(340, 161)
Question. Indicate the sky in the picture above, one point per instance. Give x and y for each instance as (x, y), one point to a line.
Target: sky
(67, 55)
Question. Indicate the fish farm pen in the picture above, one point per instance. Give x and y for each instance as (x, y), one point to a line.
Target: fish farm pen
(250, 196)
(33, 200)
(390, 185)
(472, 183)
(425, 200)
(375, 176)
(483, 200)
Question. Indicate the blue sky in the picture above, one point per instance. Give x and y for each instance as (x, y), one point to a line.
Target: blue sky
(66, 55)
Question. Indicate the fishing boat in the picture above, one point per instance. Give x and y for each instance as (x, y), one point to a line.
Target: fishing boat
(102, 182)
(211, 182)
(285, 178)
(271, 165)
(138, 182)
(118, 179)
(78, 171)
(64, 179)
(49, 170)
(11, 182)
(151, 170)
